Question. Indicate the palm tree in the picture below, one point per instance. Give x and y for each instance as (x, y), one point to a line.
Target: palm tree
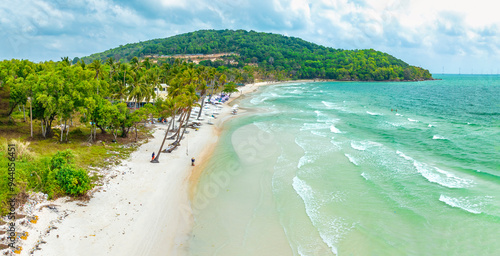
(146, 63)
(112, 67)
(212, 76)
(202, 87)
(222, 81)
(82, 64)
(139, 89)
(165, 72)
(191, 99)
(97, 67)
(169, 106)
(120, 85)
(229, 88)
(134, 62)
(153, 80)
(65, 61)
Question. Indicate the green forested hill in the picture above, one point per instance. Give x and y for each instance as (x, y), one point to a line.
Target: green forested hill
(297, 58)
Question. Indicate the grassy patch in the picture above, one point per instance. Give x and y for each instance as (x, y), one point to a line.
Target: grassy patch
(32, 164)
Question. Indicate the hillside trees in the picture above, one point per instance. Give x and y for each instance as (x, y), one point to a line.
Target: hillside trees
(296, 58)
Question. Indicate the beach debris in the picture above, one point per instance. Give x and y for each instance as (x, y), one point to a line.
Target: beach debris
(17, 250)
(25, 235)
(33, 219)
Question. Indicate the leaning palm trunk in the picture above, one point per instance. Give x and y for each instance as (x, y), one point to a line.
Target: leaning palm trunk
(173, 120)
(185, 126)
(201, 107)
(183, 117)
(157, 158)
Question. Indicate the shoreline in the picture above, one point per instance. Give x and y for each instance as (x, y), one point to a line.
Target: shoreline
(207, 154)
(140, 207)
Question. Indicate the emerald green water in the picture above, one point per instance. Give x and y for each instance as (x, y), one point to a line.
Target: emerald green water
(329, 169)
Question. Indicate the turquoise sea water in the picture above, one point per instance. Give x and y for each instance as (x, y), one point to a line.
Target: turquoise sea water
(333, 169)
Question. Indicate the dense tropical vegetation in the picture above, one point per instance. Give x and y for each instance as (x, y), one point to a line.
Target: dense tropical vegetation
(278, 57)
(100, 98)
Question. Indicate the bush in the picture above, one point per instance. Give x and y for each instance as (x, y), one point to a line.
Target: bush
(73, 181)
(55, 176)
(62, 158)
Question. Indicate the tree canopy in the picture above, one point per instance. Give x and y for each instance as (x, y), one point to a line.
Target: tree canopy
(294, 57)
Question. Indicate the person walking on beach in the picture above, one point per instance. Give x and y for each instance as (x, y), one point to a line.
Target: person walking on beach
(192, 161)
(153, 156)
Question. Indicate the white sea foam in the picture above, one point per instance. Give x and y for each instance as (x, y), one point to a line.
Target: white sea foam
(318, 133)
(463, 203)
(430, 125)
(404, 156)
(327, 104)
(373, 113)
(306, 159)
(331, 105)
(443, 178)
(324, 118)
(363, 145)
(358, 146)
(334, 129)
(258, 100)
(336, 144)
(300, 144)
(436, 175)
(352, 159)
(398, 114)
(394, 124)
(412, 120)
(331, 229)
(365, 176)
(438, 137)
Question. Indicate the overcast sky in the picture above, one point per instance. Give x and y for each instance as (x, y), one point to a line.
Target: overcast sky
(434, 34)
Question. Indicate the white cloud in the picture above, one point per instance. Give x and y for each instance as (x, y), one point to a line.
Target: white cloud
(427, 33)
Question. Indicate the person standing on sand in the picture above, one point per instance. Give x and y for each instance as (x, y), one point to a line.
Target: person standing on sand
(192, 161)
(153, 156)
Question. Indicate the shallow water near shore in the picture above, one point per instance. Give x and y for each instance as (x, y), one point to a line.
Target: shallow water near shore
(356, 168)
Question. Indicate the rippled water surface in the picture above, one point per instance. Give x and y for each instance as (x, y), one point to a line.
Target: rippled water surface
(354, 168)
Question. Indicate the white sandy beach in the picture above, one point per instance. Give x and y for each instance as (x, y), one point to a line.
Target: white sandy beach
(144, 209)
